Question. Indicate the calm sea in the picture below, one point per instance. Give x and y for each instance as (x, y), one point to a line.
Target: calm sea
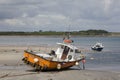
(108, 59)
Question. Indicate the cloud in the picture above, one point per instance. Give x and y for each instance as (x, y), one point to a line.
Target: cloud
(14, 22)
(107, 4)
(38, 21)
(59, 14)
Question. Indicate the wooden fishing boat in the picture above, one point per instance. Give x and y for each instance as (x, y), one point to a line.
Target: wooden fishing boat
(66, 55)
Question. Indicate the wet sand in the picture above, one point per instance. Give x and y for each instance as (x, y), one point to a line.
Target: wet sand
(12, 68)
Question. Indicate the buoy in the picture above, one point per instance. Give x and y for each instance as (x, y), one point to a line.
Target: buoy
(35, 59)
(59, 66)
(76, 63)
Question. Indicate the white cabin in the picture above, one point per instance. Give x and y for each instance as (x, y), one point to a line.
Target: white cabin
(67, 52)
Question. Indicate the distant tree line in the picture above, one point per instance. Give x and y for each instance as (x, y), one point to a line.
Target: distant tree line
(92, 32)
(40, 32)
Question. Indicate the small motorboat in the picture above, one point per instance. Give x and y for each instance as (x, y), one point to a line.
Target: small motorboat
(66, 56)
(97, 47)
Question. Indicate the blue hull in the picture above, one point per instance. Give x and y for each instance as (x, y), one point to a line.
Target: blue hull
(97, 49)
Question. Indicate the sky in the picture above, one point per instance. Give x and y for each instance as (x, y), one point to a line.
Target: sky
(59, 15)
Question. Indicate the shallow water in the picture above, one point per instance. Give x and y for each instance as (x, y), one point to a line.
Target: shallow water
(108, 59)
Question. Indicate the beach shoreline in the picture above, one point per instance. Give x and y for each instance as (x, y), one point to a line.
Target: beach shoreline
(12, 68)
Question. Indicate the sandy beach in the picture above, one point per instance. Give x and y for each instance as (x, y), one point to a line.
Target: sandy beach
(12, 68)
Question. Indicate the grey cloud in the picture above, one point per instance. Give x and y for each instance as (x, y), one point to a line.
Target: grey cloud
(80, 14)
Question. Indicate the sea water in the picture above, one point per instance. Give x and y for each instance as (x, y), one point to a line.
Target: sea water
(107, 59)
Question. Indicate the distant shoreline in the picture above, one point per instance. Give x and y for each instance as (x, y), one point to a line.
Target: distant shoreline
(87, 33)
(110, 35)
(116, 34)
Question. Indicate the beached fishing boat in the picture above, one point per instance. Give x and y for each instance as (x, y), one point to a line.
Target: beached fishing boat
(97, 47)
(66, 55)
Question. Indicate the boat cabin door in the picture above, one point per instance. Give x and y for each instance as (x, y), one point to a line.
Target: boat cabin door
(65, 52)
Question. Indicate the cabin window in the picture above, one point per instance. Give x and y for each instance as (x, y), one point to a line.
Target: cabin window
(77, 51)
(65, 52)
(62, 46)
(66, 49)
(70, 57)
(71, 50)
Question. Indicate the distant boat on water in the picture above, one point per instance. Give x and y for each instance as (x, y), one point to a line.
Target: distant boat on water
(97, 47)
